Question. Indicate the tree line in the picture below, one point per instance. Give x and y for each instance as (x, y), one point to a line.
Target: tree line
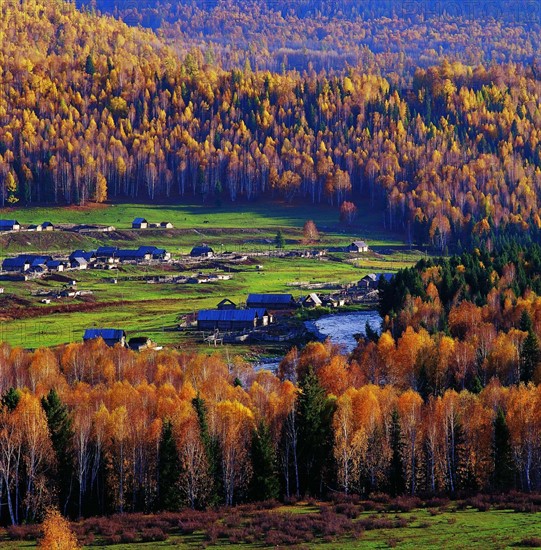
(95, 430)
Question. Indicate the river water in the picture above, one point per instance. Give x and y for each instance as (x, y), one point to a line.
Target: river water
(339, 327)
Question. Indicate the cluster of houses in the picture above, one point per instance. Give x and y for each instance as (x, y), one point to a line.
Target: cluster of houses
(14, 225)
(11, 226)
(142, 223)
(104, 257)
(113, 336)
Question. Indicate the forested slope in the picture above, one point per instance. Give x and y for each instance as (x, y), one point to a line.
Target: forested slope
(95, 109)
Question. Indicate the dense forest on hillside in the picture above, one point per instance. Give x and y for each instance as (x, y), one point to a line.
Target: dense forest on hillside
(389, 36)
(96, 109)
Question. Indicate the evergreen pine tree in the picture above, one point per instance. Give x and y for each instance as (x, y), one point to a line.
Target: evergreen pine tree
(530, 357)
(212, 450)
(60, 428)
(503, 476)
(279, 239)
(397, 483)
(265, 484)
(169, 497)
(90, 68)
(314, 417)
(10, 399)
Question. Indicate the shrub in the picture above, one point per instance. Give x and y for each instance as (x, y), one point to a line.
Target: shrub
(531, 542)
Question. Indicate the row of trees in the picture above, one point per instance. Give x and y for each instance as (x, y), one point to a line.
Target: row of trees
(96, 110)
(121, 431)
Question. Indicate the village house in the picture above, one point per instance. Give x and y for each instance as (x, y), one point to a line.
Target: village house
(78, 262)
(271, 301)
(202, 251)
(35, 227)
(19, 264)
(88, 256)
(371, 281)
(136, 256)
(357, 246)
(142, 343)
(55, 265)
(312, 300)
(26, 262)
(333, 301)
(10, 225)
(235, 320)
(139, 223)
(111, 336)
(47, 226)
(155, 253)
(166, 225)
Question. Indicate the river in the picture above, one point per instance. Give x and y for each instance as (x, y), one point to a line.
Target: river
(339, 327)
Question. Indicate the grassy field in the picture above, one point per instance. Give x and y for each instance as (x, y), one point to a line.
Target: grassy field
(462, 529)
(142, 308)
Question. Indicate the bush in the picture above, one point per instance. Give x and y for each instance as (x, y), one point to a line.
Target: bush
(531, 542)
(23, 532)
(347, 509)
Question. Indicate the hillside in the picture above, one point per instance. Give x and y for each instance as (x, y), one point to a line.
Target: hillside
(98, 110)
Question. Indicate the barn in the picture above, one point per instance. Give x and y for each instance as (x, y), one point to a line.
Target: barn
(271, 301)
(111, 336)
(139, 223)
(232, 319)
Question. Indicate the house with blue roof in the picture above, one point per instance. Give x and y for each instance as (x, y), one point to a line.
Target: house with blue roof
(271, 301)
(26, 262)
(133, 256)
(10, 225)
(111, 336)
(236, 320)
(139, 223)
(202, 251)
